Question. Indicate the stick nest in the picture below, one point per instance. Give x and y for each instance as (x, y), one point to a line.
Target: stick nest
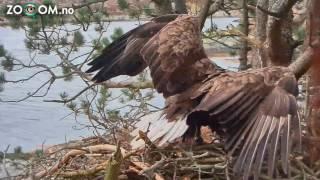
(91, 158)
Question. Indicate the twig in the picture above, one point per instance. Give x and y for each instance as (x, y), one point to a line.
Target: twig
(73, 153)
(4, 162)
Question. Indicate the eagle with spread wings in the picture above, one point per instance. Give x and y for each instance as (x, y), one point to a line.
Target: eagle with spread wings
(254, 111)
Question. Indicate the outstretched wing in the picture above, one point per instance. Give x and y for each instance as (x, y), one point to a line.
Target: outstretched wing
(122, 57)
(256, 117)
(172, 52)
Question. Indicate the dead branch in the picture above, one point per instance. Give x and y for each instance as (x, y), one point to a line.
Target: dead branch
(113, 166)
(303, 63)
(87, 172)
(204, 12)
(73, 153)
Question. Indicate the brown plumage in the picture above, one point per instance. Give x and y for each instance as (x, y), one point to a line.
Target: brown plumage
(254, 111)
(122, 56)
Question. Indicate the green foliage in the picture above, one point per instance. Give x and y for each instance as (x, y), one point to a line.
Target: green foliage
(105, 42)
(30, 44)
(39, 153)
(72, 106)
(103, 98)
(66, 70)
(3, 52)
(147, 10)
(34, 27)
(100, 45)
(48, 2)
(78, 39)
(83, 15)
(97, 45)
(7, 63)
(64, 95)
(97, 17)
(46, 35)
(85, 104)
(299, 33)
(114, 115)
(123, 4)
(15, 22)
(17, 150)
(2, 81)
(49, 20)
(232, 52)
(63, 41)
(129, 93)
(3, 10)
(134, 13)
(2, 78)
(116, 33)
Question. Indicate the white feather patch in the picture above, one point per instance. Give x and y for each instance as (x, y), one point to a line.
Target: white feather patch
(159, 129)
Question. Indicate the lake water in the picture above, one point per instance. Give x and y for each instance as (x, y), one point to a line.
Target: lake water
(33, 122)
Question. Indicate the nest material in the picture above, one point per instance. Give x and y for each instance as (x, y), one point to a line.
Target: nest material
(93, 158)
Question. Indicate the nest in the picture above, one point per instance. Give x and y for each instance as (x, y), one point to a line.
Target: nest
(94, 158)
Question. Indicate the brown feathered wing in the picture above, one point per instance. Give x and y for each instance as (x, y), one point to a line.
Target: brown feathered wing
(172, 52)
(122, 56)
(255, 112)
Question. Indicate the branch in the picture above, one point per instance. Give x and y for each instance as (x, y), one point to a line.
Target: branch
(261, 30)
(279, 41)
(215, 7)
(302, 64)
(73, 98)
(281, 11)
(133, 85)
(84, 173)
(204, 12)
(274, 14)
(113, 166)
(77, 152)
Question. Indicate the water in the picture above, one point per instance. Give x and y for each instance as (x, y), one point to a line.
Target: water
(33, 122)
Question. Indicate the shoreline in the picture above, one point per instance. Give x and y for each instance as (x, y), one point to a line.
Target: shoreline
(5, 22)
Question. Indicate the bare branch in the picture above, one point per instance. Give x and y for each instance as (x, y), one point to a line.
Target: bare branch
(204, 12)
(73, 98)
(133, 85)
(303, 63)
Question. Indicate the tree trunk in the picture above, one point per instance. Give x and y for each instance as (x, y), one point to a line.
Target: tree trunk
(243, 55)
(261, 30)
(204, 12)
(274, 30)
(314, 26)
(279, 39)
(180, 6)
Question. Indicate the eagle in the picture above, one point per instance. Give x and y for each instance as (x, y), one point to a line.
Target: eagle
(254, 112)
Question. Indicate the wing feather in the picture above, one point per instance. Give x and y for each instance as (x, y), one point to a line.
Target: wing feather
(122, 56)
(252, 115)
(172, 51)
